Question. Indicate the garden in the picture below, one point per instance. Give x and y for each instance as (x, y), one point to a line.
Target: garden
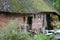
(12, 33)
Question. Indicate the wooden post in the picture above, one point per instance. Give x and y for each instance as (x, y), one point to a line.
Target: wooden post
(24, 19)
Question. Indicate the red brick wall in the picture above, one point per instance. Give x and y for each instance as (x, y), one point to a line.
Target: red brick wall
(10, 19)
(3, 20)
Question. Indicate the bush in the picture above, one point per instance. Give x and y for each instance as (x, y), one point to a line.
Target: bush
(16, 36)
(51, 37)
(13, 34)
(40, 37)
(43, 37)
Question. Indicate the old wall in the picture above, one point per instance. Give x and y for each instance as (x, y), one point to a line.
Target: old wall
(3, 20)
(39, 22)
(12, 20)
(18, 20)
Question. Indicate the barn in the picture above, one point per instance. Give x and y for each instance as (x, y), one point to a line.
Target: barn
(27, 14)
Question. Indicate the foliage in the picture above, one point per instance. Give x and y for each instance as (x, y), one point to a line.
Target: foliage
(13, 34)
(51, 37)
(43, 37)
(40, 37)
(56, 4)
(55, 18)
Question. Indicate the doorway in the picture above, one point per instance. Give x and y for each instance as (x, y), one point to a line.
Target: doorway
(29, 22)
(48, 19)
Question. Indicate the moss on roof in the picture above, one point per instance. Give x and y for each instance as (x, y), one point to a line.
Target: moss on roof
(0, 4)
(29, 6)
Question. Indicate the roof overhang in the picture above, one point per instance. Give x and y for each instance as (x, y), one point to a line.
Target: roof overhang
(42, 12)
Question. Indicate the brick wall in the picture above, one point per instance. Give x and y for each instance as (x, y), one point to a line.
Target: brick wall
(3, 20)
(12, 20)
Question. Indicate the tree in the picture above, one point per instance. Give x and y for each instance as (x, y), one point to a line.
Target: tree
(56, 4)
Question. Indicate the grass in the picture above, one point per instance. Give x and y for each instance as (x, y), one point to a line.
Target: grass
(40, 37)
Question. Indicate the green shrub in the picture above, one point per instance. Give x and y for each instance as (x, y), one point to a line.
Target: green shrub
(51, 37)
(16, 36)
(43, 37)
(11, 33)
(40, 37)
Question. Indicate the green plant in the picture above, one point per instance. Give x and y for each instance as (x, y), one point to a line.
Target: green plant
(43, 37)
(12, 33)
(16, 36)
(40, 37)
(51, 37)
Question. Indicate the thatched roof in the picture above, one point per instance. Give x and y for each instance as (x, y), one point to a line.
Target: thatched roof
(25, 6)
